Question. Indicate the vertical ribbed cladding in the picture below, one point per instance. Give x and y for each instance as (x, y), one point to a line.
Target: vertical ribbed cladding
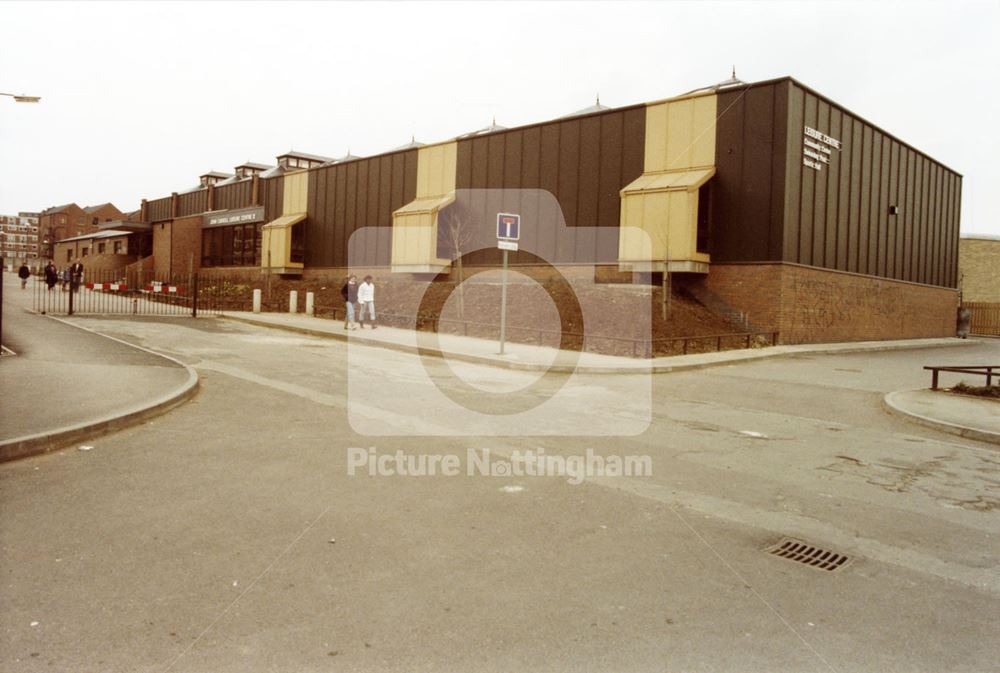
(236, 195)
(272, 194)
(583, 161)
(839, 217)
(192, 203)
(748, 190)
(348, 196)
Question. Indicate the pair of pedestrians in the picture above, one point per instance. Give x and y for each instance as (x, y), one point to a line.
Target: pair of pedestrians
(363, 296)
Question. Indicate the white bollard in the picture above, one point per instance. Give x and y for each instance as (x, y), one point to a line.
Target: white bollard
(293, 301)
(256, 301)
(310, 297)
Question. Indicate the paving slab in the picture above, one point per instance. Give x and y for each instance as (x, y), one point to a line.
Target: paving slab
(542, 358)
(65, 383)
(964, 415)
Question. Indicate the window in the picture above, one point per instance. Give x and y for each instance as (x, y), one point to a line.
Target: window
(69, 255)
(100, 248)
(62, 220)
(84, 252)
(231, 246)
(95, 221)
(118, 247)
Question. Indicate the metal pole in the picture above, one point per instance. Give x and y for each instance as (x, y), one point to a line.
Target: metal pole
(503, 303)
(194, 295)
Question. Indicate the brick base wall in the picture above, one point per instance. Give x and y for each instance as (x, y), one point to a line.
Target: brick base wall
(811, 305)
(177, 245)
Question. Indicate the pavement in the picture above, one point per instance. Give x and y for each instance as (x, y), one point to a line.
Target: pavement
(963, 415)
(67, 384)
(528, 357)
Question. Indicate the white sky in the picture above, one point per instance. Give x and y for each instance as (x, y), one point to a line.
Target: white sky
(141, 98)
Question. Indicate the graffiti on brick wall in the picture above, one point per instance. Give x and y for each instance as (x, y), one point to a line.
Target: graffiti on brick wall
(822, 304)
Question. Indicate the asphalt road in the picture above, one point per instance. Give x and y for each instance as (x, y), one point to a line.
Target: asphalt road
(228, 536)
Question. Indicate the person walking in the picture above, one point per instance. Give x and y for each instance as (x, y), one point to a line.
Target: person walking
(75, 276)
(24, 273)
(350, 294)
(65, 279)
(51, 275)
(366, 298)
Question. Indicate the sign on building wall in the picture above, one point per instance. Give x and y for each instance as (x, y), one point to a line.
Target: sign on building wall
(226, 218)
(817, 148)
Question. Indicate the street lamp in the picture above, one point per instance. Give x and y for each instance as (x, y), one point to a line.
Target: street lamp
(21, 98)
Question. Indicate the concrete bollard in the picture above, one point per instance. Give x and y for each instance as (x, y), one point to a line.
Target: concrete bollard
(256, 301)
(293, 301)
(310, 303)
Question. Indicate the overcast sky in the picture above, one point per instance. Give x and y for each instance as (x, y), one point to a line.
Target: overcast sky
(138, 99)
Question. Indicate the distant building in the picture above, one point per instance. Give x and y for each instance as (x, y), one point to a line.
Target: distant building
(116, 245)
(19, 242)
(69, 220)
(979, 267)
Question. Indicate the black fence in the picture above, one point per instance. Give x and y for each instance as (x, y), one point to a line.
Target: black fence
(120, 293)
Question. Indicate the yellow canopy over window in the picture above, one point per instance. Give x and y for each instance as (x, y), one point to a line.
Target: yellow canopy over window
(415, 235)
(659, 220)
(276, 244)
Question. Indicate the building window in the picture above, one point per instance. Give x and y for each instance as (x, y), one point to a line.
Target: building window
(69, 255)
(100, 248)
(231, 246)
(62, 220)
(95, 221)
(84, 252)
(118, 247)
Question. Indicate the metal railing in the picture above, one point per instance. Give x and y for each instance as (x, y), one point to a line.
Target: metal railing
(989, 371)
(620, 345)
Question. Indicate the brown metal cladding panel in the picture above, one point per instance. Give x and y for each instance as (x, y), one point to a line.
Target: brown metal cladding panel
(588, 186)
(923, 247)
(748, 190)
(582, 162)
(779, 166)
(338, 232)
(881, 207)
(939, 211)
(569, 181)
(548, 180)
(512, 160)
(352, 197)
(893, 245)
(953, 241)
(158, 209)
(866, 189)
(609, 183)
(273, 190)
(843, 215)
(807, 199)
(820, 192)
(793, 179)
(192, 203)
(854, 214)
(836, 227)
(733, 234)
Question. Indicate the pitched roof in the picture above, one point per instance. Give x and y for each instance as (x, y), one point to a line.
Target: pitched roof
(215, 174)
(56, 209)
(252, 164)
(596, 107)
(107, 233)
(305, 155)
(91, 209)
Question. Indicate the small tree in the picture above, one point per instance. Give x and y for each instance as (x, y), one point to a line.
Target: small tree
(457, 232)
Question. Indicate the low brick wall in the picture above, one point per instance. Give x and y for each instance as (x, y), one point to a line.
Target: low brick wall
(811, 305)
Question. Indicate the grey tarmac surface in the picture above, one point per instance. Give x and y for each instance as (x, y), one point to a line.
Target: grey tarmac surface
(63, 375)
(201, 541)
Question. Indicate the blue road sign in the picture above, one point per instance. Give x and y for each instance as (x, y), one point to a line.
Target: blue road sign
(508, 227)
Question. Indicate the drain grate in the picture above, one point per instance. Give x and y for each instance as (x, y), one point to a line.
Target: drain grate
(810, 555)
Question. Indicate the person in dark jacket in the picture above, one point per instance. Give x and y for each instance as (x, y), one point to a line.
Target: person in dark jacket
(75, 276)
(24, 273)
(350, 294)
(51, 275)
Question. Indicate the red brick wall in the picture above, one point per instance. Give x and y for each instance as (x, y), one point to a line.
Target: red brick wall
(811, 305)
